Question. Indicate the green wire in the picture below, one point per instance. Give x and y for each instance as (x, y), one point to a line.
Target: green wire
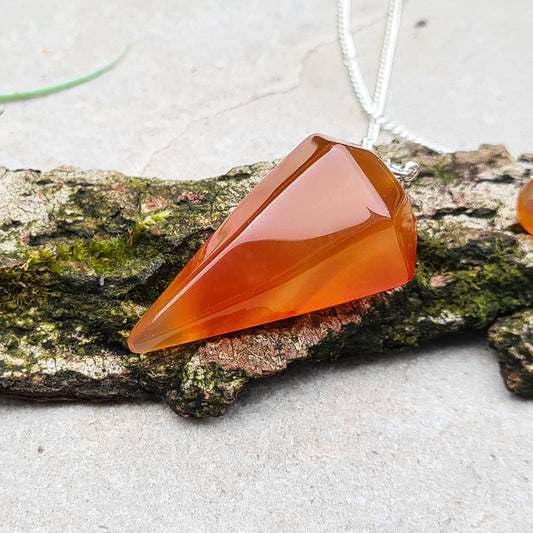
(35, 93)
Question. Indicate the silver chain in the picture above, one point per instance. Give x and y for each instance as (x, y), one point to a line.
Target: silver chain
(374, 107)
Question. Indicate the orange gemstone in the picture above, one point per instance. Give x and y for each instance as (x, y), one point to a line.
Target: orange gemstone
(328, 225)
(525, 207)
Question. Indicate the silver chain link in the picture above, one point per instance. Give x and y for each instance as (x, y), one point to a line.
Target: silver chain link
(388, 49)
(374, 107)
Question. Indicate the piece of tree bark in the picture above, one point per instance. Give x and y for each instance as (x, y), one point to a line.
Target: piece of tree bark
(83, 254)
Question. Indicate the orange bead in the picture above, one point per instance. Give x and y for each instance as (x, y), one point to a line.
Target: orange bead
(328, 225)
(525, 207)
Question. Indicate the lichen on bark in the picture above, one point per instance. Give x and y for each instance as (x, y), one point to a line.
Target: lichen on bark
(83, 254)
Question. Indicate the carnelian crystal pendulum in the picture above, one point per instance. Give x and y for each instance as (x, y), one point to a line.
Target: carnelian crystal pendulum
(525, 207)
(328, 225)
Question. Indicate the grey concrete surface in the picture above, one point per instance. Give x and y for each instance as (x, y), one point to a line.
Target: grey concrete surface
(424, 441)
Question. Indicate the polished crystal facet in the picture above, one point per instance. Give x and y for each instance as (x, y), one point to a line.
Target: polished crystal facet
(328, 225)
(525, 207)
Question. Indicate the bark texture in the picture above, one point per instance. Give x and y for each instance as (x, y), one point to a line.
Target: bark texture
(83, 255)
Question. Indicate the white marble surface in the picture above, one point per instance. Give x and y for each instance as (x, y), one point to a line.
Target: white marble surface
(424, 441)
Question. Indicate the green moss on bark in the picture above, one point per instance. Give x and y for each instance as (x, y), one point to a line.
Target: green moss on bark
(83, 254)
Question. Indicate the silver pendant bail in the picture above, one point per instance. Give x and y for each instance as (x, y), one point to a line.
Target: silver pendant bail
(406, 172)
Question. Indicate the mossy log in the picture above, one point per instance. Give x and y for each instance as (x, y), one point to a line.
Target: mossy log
(83, 254)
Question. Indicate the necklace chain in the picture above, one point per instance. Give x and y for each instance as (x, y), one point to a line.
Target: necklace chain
(374, 106)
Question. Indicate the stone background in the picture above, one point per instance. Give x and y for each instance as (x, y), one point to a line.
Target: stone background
(428, 440)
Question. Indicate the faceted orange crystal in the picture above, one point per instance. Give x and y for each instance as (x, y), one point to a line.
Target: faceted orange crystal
(525, 207)
(328, 225)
